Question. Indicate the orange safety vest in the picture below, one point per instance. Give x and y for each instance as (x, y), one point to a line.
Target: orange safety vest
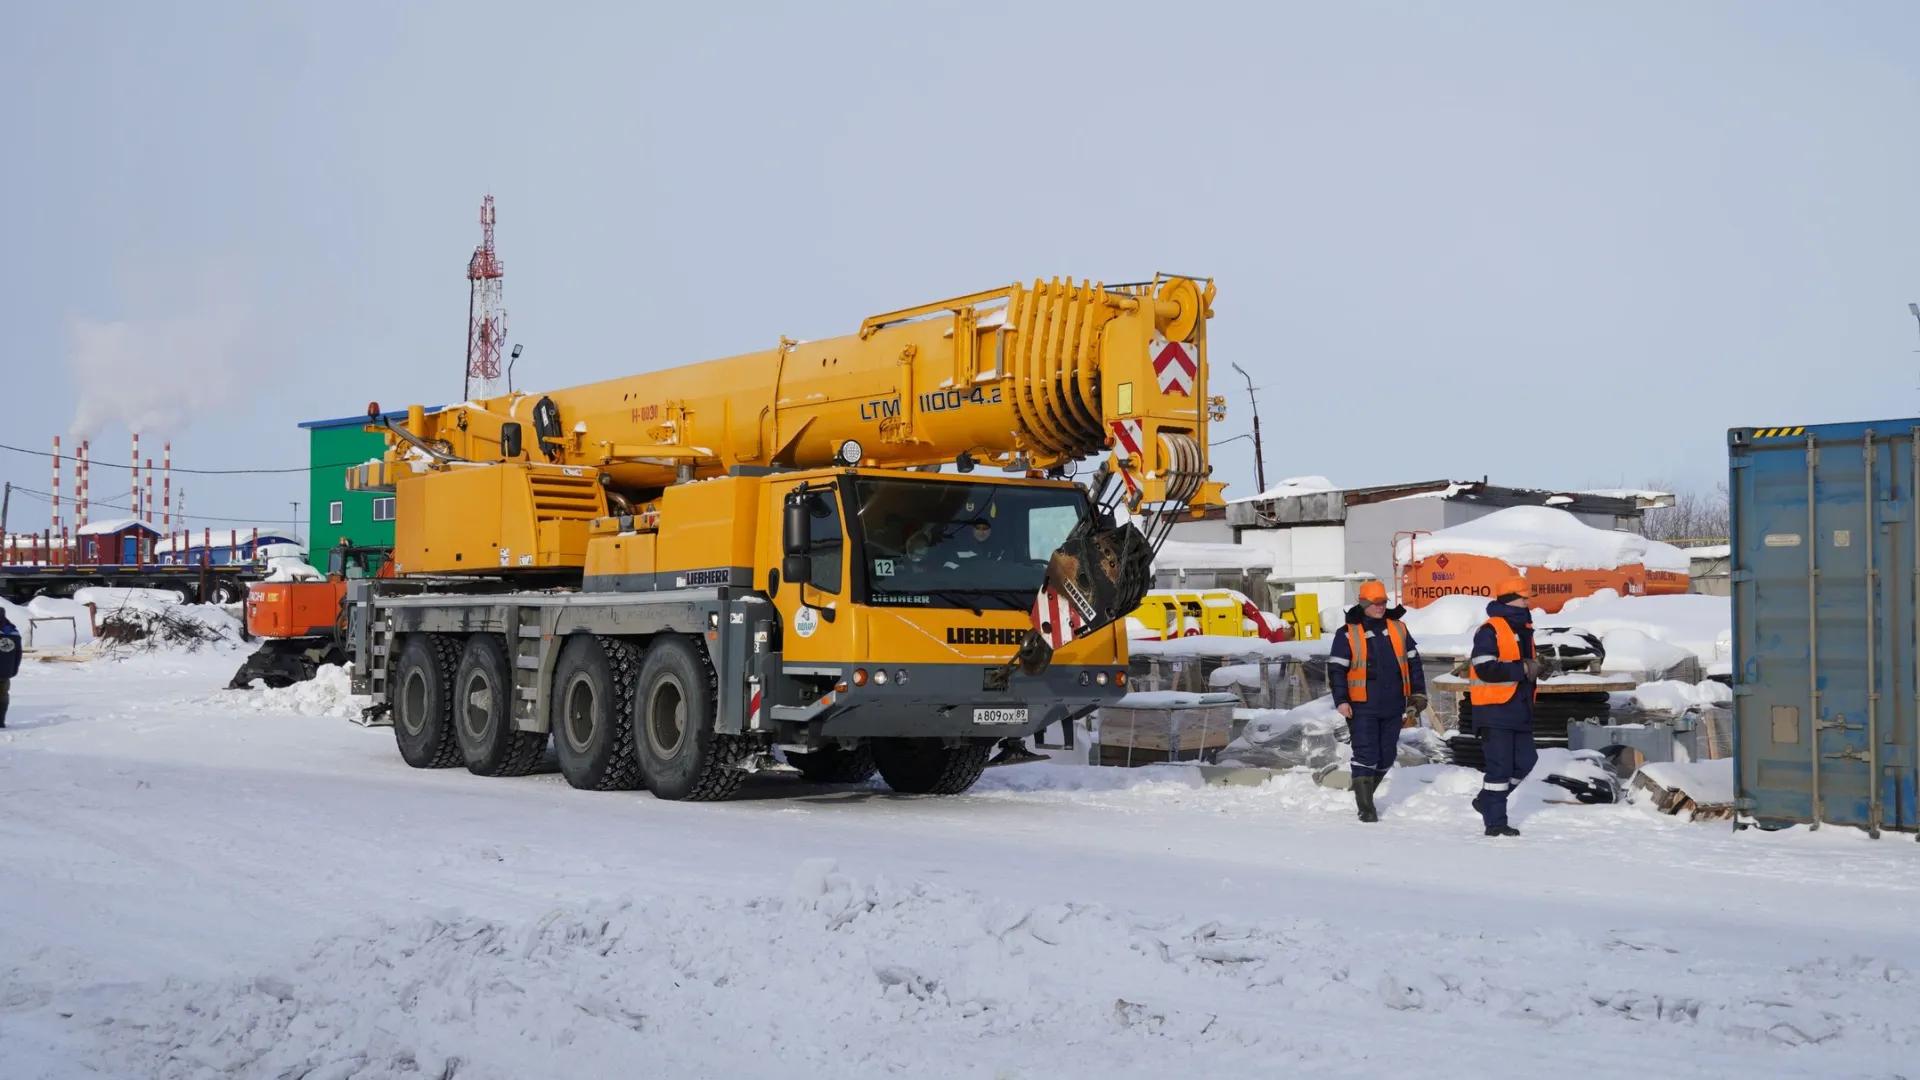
(1482, 692)
(1357, 670)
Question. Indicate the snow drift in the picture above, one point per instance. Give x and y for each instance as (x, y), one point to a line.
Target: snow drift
(1547, 538)
(847, 978)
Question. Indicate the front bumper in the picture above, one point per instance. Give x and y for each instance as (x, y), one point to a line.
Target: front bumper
(941, 699)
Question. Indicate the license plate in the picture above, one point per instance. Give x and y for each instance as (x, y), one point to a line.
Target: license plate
(999, 716)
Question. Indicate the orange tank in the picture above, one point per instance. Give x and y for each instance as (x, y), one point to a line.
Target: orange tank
(1425, 580)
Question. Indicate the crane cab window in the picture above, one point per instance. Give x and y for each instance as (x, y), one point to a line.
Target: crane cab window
(959, 543)
(825, 541)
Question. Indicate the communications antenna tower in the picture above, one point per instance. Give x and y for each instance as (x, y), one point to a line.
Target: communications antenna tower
(486, 317)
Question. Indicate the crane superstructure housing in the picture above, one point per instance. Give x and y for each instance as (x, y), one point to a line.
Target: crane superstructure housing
(859, 553)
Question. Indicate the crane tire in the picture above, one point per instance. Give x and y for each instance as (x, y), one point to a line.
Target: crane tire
(490, 743)
(836, 765)
(927, 767)
(681, 756)
(423, 701)
(592, 736)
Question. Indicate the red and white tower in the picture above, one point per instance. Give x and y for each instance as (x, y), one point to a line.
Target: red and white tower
(56, 485)
(81, 479)
(486, 317)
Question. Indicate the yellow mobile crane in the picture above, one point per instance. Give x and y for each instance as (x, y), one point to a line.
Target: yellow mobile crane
(677, 573)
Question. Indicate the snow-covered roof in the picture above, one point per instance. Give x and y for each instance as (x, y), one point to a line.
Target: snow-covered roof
(1709, 551)
(114, 525)
(1646, 498)
(1664, 556)
(1547, 538)
(1291, 486)
(198, 538)
(1189, 555)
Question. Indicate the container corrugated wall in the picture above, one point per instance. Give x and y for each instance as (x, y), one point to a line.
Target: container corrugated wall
(1826, 562)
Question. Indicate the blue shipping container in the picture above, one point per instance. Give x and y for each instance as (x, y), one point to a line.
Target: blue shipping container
(1826, 621)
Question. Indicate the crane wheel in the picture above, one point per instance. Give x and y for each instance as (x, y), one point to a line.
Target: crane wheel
(592, 737)
(835, 765)
(680, 755)
(928, 766)
(423, 701)
(490, 743)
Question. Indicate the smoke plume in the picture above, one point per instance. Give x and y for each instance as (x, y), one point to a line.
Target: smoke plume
(161, 372)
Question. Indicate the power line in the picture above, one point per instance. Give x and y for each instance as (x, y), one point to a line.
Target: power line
(195, 472)
(47, 498)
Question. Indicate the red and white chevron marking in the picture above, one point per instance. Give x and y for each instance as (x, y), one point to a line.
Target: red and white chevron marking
(1127, 437)
(1053, 617)
(753, 709)
(1174, 366)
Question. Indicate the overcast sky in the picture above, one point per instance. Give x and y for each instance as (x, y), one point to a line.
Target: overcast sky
(1555, 244)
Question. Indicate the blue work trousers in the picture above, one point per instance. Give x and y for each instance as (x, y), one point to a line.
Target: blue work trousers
(1510, 757)
(1376, 741)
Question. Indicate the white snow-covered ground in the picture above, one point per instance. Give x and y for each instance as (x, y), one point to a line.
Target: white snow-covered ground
(198, 884)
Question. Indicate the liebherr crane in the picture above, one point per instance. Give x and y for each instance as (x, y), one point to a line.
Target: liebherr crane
(863, 552)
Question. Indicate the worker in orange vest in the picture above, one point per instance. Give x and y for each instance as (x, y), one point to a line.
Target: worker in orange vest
(1502, 675)
(1374, 669)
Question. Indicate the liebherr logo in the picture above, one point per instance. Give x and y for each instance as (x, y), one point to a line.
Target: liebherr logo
(983, 635)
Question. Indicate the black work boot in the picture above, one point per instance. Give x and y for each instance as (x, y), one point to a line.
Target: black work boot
(1502, 830)
(1363, 796)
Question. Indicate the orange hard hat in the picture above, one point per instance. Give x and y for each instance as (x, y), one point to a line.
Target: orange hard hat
(1515, 586)
(1373, 592)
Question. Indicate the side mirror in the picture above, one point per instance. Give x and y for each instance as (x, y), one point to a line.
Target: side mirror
(510, 439)
(796, 531)
(796, 569)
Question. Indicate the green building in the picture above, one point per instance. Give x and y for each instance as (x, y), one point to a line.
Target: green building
(340, 516)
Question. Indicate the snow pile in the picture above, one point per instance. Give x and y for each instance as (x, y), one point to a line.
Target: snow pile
(1449, 616)
(328, 693)
(1631, 651)
(1544, 537)
(152, 605)
(1222, 646)
(1171, 699)
(1707, 783)
(1189, 555)
(1678, 697)
(1446, 626)
(47, 622)
(1668, 557)
(1290, 487)
(871, 979)
(291, 568)
(1309, 736)
(1702, 625)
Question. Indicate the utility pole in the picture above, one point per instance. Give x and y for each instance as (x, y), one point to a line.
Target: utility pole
(6, 500)
(296, 515)
(1259, 455)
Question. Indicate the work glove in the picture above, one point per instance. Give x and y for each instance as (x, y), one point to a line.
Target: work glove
(1531, 668)
(1418, 703)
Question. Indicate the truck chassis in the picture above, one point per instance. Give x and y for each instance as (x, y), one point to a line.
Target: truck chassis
(683, 691)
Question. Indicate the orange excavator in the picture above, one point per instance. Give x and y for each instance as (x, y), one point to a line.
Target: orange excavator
(301, 624)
